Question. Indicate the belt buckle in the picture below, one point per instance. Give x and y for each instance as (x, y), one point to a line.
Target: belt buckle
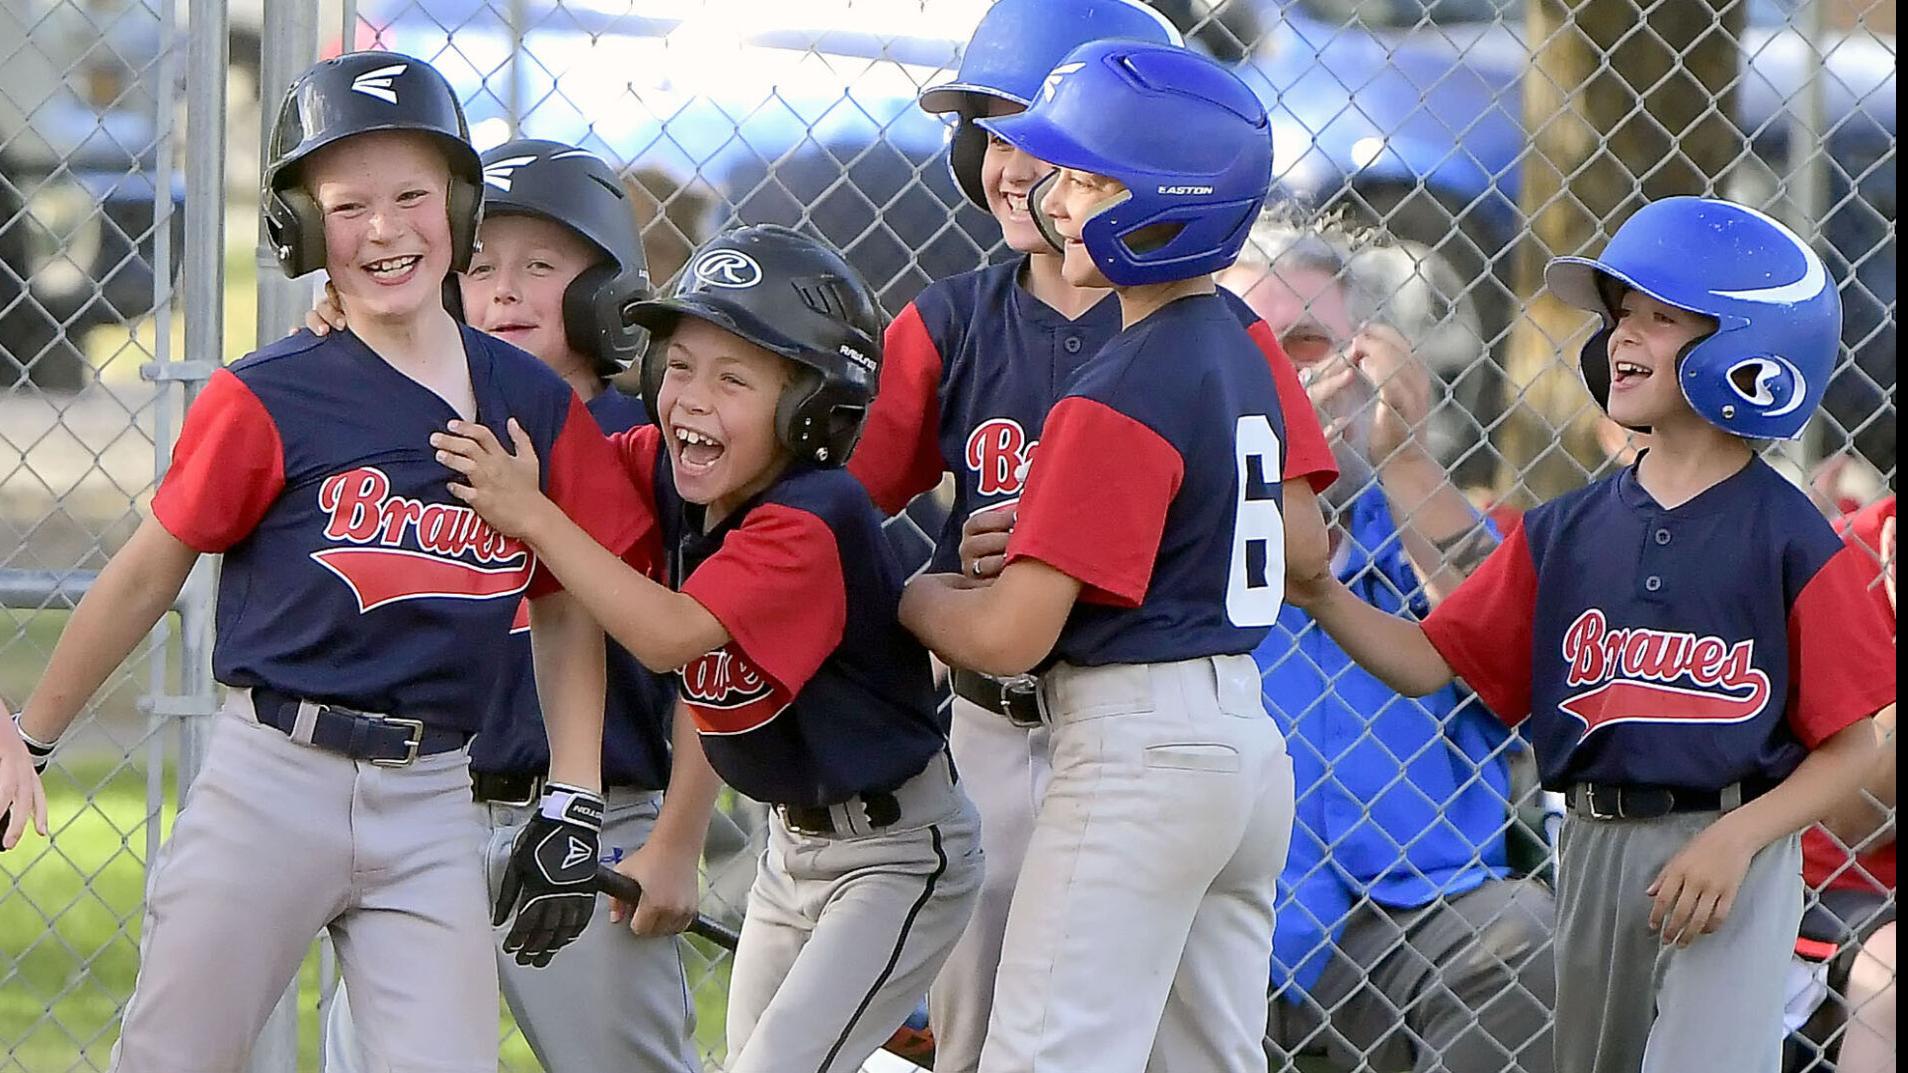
(1596, 810)
(413, 739)
(1019, 685)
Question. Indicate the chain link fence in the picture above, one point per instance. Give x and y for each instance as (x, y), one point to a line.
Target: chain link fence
(1430, 155)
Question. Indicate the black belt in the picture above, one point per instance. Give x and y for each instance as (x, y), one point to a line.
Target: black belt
(384, 740)
(1013, 698)
(1611, 801)
(882, 809)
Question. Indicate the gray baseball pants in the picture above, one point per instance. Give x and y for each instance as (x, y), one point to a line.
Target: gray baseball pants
(609, 1001)
(844, 932)
(1004, 769)
(277, 840)
(1625, 1001)
(1140, 936)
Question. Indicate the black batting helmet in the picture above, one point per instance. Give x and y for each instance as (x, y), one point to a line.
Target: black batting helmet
(358, 93)
(577, 189)
(797, 297)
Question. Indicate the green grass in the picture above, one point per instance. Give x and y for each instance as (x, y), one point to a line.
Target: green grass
(69, 933)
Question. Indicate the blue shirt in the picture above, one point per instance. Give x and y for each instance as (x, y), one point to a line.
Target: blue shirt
(1361, 829)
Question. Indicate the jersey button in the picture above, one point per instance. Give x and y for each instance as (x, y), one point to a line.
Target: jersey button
(1653, 583)
(1662, 536)
(1072, 344)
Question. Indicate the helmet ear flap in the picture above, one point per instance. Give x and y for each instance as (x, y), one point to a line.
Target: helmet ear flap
(966, 147)
(296, 228)
(1594, 363)
(465, 202)
(454, 298)
(795, 416)
(581, 324)
(649, 370)
(1037, 208)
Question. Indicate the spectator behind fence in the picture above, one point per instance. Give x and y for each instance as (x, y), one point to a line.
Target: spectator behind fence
(1842, 986)
(1402, 941)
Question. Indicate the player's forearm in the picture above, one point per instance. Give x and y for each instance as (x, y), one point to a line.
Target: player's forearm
(567, 650)
(136, 587)
(1443, 536)
(683, 823)
(1308, 545)
(1003, 628)
(1866, 820)
(1393, 649)
(662, 628)
(1825, 779)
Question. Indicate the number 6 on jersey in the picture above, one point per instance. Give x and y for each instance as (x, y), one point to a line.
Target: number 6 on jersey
(1255, 585)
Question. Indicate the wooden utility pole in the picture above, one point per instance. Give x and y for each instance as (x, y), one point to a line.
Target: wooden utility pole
(1626, 101)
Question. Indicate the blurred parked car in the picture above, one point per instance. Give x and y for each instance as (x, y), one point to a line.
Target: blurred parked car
(78, 171)
(793, 110)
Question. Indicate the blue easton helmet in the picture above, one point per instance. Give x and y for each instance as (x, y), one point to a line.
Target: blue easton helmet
(1189, 140)
(1008, 58)
(1762, 373)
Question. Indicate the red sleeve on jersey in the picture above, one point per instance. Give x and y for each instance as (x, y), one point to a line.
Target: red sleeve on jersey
(1484, 629)
(899, 455)
(1863, 530)
(227, 469)
(1096, 499)
(583, 478)
(776, 586)
(1841, 651)
(1307, 454)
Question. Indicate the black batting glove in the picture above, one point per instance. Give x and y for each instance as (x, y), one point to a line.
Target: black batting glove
(550, 879)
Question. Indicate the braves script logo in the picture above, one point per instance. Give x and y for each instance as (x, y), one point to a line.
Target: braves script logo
(998, 451)
(1655, 676)
(727, 695)
(363, 511)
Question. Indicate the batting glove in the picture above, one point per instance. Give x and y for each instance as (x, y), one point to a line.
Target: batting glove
(552, 873)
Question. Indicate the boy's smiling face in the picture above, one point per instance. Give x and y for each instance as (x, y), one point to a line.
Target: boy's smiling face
(1644, 350)
(514, 288)
(716, 406)
(383, 196)
(1070, 202)
(1008, 176)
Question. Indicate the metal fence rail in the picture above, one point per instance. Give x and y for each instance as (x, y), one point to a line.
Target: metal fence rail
(1430, 156)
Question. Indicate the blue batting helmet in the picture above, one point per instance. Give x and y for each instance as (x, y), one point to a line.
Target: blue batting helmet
(1763, 371)
(1010, 53)
(1187, 138)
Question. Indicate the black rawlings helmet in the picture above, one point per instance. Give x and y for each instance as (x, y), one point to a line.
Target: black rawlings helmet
(794, 296)
(358, 93)
(577, 189)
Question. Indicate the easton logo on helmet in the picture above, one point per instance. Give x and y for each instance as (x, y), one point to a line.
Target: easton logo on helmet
(497, 173)
(379, 83)
(732, 269)
(1052, 84)
(1185, 189)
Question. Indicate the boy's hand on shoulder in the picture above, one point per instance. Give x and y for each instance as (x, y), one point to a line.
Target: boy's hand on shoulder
(326, 314)
(1696, 890)
(984, 542)
(500, 485)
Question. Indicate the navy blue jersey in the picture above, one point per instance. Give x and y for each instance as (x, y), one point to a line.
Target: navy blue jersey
(1157, 488)
(969, 371)
(820, 694)
(636, 702)
(351, 573)
(1695, 647)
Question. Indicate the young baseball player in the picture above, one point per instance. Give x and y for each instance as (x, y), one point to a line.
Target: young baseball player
(1688, 644)
(362, 615)
(559, 257)
(969, 370)
(779, 621)
(1146, 564)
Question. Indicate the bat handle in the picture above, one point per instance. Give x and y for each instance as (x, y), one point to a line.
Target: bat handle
(624, 888)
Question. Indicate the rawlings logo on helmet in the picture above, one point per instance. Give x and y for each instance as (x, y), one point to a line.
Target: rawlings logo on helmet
(731, 269)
